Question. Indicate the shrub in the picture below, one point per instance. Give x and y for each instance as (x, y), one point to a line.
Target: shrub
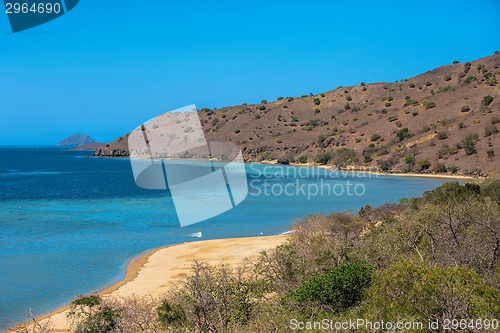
(441, 168)
(392, 118)
(317, 111)
(362, 84)
(455, 62)
(410, 102)
(262, 107)
(410, 160)
(387, 104)
(465, 108)
(453, 169)
(323, 158)
(170, 314)
(442, 135)
(412, 85)
(236, 131)
(317, 101)
(423, 165)
(338, 289)
(403, 133)
(303, 159)
(428, 104)
(290, 99)
(447, 78)
(347, 106)
(375, 137)
(348, 98)
(264, 101)
(294, 119)
(469, 79)
(490, 153)
(490, 130)
(322, 95)
(414, 113)
(280, 98)
(469, 144)
(257, 116)
(467, 66)
(487, 100)
(492, 81)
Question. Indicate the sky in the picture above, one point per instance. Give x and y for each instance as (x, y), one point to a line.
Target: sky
(107, 66)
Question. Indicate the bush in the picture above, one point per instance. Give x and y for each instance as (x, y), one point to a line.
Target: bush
(447, 78)
(469, 79)
(469, 144)
(236, 131)
(465, 108)
(428, 104)
(490, 130)
(317, 101)
(264, 101)
(410, 102)
(423, 165)
(262, 107)
(280, 98)
(323, 158)
(410, 160)
(403, 133)
(171, 314)
(467, 66)
(338, 289)
(441, 168)
(375, 137)
(492, 81)
(455, 62)
(442, 135)
(303, 159)
(453, 169)
(487, 100)
(412, 85)
(347, 106)
(387, 104)
(322, 95)
(392, 118)
(490, 153)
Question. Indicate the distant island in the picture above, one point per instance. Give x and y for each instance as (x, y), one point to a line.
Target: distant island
(76, 140)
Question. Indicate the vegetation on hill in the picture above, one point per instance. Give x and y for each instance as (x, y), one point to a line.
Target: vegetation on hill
(429, 258)
(447, 119)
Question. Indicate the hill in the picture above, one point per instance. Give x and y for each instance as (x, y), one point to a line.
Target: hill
(76, 140)
(443, 121)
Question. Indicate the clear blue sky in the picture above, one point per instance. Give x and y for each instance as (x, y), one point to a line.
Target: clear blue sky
(107, 66)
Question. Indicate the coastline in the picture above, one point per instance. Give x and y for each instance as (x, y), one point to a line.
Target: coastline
(373, 172)
(153, 272)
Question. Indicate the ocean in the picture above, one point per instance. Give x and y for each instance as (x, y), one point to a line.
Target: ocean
(69, 222)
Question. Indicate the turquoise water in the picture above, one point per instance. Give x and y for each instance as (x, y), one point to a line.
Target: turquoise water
(70, 222)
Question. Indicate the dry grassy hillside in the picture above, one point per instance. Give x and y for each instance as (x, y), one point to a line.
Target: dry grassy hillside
(440, 121)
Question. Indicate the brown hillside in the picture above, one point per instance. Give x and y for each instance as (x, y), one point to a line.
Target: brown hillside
(442, 122)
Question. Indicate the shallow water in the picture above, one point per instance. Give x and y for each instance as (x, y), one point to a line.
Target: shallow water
(70, 222)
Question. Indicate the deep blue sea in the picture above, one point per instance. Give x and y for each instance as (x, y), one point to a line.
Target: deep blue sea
(69, 222)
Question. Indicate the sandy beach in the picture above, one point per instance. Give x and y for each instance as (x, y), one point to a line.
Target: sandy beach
(154, 272)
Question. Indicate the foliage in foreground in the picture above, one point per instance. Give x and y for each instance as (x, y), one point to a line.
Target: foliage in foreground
(427, 258)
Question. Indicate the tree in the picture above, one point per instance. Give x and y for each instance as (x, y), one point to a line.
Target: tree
(338, 289)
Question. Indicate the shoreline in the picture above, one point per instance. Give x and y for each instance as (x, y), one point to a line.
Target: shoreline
(372, 172)
(154, 271)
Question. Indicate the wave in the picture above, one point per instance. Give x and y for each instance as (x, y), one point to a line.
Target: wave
(198, 234)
